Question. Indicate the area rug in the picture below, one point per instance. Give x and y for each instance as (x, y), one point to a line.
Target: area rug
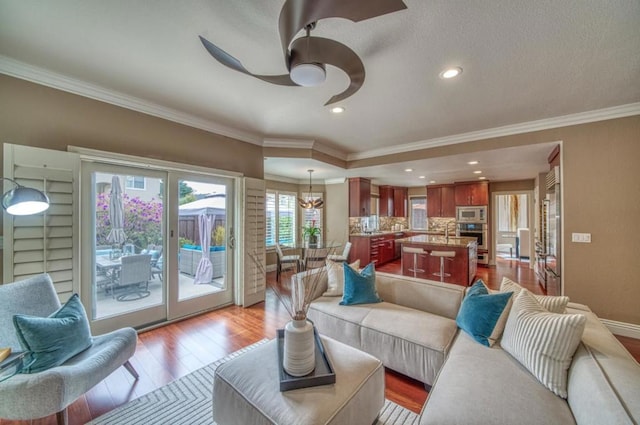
(187, 401)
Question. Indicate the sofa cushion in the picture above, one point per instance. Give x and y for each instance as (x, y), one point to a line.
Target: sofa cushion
(552, 303)
(480, 313)
(407, 340)
(543, 342)
(337, 321)
(359, 287)
(603, 370)
(335, 277)
(485, 385)
(53, 340)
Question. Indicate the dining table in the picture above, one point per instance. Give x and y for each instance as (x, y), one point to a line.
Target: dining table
(306, 250)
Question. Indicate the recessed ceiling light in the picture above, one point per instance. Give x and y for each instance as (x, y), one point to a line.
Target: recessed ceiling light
(421, 177)
(432, 181)
(408, 170)
(451, 73)
(477, 172)
(337, 110)
(472, 162)
(482, 178)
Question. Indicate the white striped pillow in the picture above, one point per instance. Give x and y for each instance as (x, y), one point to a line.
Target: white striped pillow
(551, 303)
(541, 341)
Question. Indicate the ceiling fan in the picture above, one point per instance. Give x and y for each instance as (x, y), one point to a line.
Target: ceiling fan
(307, 56)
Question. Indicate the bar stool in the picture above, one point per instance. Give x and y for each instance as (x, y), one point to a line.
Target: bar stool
(415, 252)
(443, 254)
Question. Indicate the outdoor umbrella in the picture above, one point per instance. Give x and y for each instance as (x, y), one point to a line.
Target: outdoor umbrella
(204, 272)
(116, 213)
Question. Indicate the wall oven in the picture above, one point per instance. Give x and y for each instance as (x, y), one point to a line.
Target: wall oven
(474, 230)
(471, 214)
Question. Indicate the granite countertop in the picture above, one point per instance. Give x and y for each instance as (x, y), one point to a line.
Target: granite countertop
(392, 232)
(461, 242)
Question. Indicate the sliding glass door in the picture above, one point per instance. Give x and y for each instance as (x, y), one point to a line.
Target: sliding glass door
(123, 218)
(202, 256)
(155, 244)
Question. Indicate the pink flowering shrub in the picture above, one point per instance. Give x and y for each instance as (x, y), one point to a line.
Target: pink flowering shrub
(142, 220)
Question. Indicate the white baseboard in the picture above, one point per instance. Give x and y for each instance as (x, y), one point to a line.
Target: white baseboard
(271, 267)
(623, 329)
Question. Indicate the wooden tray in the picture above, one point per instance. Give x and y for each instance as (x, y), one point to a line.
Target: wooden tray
(323, 373)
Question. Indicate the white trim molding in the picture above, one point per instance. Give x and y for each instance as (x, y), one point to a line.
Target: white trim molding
(630, 330)
(508, 130)
(49, 78)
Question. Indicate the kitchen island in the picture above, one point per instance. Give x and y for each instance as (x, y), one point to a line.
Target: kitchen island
(462, 266)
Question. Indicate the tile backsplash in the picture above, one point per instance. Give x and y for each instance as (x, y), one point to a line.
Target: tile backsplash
(438, 224)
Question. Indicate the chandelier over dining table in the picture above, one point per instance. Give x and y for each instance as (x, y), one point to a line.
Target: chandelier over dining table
(310, 203)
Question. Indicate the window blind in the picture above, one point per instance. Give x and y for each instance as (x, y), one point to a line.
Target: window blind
(418, 212)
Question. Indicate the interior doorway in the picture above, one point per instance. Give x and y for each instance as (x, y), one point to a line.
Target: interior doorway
(512, 230)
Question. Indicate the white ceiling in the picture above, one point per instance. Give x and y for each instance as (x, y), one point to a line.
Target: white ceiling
(523, 61)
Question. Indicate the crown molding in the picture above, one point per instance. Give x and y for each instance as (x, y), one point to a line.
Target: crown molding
(57, 81)
(330, 151)
(288, 143)
(282, 179)
(508, 130)
(337, 180)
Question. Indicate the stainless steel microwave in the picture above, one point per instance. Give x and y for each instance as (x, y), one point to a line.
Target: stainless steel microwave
(471, 214)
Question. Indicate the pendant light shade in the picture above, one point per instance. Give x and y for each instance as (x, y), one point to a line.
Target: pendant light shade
(310, 203)
(24, 200)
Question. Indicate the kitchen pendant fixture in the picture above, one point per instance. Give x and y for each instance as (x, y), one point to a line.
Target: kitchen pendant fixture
(310, 203)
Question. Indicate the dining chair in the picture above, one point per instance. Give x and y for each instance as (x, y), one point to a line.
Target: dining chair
(134, 274)
(341, 257)
(315, 257)
(285, 261)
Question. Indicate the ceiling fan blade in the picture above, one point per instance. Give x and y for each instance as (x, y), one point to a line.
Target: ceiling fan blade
(330, 52)
(229, 61)
(297, 14)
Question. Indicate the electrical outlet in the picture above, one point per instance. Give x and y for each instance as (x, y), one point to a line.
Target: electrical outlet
(581, 237)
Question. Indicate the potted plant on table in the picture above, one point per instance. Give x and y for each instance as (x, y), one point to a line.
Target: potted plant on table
(311, 233)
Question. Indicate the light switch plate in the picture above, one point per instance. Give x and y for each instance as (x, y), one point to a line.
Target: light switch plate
(581, 237)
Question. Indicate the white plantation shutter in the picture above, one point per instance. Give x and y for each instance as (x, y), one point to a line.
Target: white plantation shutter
(287, 219)
(254, 277)
(270, 218)
(45, 242)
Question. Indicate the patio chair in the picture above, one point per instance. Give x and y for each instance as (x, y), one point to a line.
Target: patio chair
(315, 257)
(134, 274)
(285, 261)
(156, 268)
(341, 257)
(40, 394)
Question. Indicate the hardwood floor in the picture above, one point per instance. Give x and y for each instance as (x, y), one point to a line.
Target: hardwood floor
(172, 351)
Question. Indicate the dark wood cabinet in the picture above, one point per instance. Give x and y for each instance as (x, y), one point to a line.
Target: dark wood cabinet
(359, 197)
(472, 194)
(400, 195)
(441, 201)
(393, 201)
(378, 249)
(386, 201)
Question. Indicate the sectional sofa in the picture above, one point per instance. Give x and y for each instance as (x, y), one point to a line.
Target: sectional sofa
(413, 331)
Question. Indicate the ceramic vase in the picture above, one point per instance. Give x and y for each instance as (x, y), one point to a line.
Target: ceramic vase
(299, 348)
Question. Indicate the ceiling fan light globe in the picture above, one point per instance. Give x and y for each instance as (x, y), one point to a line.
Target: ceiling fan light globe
(308, 74)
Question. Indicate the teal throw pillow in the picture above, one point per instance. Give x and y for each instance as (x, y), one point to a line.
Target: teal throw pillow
(359, 287)
(480, 312)
(53, 340)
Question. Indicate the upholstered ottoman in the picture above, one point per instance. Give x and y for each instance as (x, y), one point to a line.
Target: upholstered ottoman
(246, 390)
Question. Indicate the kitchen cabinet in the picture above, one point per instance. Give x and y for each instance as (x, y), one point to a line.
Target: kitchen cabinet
(378, 249)
(472, 194)
(400, 195)
(359, 197)
(441, 201)
(393, 201)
